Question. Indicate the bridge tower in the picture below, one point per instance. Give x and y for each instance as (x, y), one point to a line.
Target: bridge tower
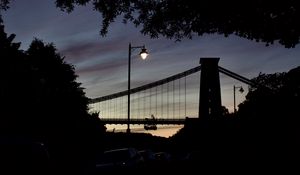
(210, 91)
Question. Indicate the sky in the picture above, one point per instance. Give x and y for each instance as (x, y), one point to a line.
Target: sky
(101, 62)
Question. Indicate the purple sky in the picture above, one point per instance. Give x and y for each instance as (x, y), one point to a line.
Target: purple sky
(101, 62)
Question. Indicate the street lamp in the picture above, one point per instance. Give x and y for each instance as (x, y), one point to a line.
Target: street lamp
(143, 55)
(241, 91)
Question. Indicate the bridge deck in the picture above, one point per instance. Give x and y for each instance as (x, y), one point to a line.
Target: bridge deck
(143, 121)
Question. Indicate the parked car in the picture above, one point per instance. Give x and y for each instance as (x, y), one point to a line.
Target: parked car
(116, 159)
(163, 156)
(148, 155)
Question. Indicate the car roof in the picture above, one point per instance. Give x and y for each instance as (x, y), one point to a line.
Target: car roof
(119, 149)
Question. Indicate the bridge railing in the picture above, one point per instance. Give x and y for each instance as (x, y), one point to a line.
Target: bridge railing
(179, 121)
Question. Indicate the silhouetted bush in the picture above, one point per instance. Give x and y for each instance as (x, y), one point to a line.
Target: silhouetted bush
(41, 100)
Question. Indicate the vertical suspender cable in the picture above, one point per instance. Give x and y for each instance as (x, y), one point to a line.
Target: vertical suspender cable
(114, 107)
(168, 101)
(132, 106)
(115, 104)
(121, 113)
(107, 108)
(179, 99)
(109, 105)
(150, 102)
(173, 98)
(156, 101)
(100, 110)
(118, 107)
(104, 109)
(117, 101)
(161, 101)
(139, 115)
(100, 107)
(184, 96)
(120, 104)
(144, 104)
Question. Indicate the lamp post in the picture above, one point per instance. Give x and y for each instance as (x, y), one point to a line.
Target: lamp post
(241, 90)
(143, 55)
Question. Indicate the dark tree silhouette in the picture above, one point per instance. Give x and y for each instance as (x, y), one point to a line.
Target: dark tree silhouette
(273, 107)
(41, 101)
(255, 20)
(176, 19)
(4, 4)
(270, 117)
(12, 78)
(54, 83)
(276, 98)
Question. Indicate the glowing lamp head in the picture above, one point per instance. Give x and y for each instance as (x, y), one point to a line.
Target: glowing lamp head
(144, 53)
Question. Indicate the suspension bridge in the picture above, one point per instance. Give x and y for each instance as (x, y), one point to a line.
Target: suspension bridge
(170, 100)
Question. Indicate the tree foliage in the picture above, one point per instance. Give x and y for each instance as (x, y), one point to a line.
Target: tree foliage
(37, 83)
(4, 4)
(255, 20)
(55, 81)
(270, 115)
(40, 85)
(274, 105)
(12, 76)
(40, 100)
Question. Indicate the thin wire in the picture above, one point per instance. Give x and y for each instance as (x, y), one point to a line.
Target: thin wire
(150, 101)
(104, 109)
(162, 100)
(100, 107)
(185, 96)
(118, 107)
(116, 112)
(113, 108)
(132, 106)
(109, 105)
(144, 104)
(156, 101)
(173, 99)
(179, 105)
(122, 106)
(114, 102)
(139, 115)
(168, 101)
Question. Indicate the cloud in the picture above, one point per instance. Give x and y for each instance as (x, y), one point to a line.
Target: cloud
(106, 68)
(81, 51)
